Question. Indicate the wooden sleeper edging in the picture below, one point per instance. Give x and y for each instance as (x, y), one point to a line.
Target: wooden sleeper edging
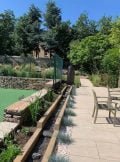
(33, 139)
(52, 142)
(49, 112)
(50, 147)
(28, 146)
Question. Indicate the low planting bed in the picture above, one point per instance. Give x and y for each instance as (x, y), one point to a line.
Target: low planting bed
(36, 109)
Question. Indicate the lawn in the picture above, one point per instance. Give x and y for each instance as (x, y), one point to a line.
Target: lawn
(9, 96)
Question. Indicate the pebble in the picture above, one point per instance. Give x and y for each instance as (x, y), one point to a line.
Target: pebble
(47, 133)
(36, 156)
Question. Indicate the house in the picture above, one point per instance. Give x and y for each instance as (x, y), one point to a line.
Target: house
(41, 52)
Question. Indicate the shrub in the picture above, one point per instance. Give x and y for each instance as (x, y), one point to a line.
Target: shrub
(49, 96)
(67, 122)
(7, 70)
(65, 138)
(23, 73)
(28, 67)
(104, 80)
(25, 131)
(69, 112)
(11, 151)
(35, 110)
(77, 81)
(48, 73)
(111, 61)
(96, 79)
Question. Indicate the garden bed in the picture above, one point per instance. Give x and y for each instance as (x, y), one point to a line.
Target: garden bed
(26, 136)
(34, 138)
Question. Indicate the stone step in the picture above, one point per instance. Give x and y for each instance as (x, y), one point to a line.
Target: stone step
(6, 128)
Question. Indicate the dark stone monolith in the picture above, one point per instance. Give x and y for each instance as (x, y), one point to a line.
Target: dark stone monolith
(70, 75)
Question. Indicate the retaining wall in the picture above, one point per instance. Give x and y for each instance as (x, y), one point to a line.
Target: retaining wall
(20, 82)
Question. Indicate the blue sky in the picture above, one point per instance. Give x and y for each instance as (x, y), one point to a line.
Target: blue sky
(71, 9)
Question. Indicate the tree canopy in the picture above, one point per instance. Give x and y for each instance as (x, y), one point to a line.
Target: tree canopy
(53, 15)
(84, 27)
(7, 24)
(86, 43)
(89, 52)
(27, 32)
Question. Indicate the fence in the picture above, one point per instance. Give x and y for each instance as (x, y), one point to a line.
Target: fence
(57, 63)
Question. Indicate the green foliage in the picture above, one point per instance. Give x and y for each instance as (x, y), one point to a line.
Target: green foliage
(88, 53)
(86, 42)
(114, 36)
(7, 23)
(40, 106)
(77, 81)
(84, 27)
(58, 158)
(27, 32)
(96, 79)
(63, 37)
(35, 110)
(58, 38)
(111, 61)
(11, 151)
(19, 71)
(47, 73)
(50, 96)
(104, 80)
(105, 25)
(58, 34)
(25, 131)
(52, 15)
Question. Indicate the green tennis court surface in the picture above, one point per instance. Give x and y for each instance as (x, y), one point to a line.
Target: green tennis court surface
(9, 96)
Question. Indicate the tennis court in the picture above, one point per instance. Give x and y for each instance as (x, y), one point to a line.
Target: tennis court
(9, 96)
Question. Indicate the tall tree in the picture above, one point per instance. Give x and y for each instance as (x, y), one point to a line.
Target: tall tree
(52, 15)
(111, 61)
(52, 19)
(28, 30)
(105, 24)
(64, 37)
(7, 22)
(89, 52)
(58, 34)
(115, 33)
(84, 27)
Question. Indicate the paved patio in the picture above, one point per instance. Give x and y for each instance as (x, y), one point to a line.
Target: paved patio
(98, 142)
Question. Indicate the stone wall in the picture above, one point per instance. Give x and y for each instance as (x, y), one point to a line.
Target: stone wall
(21, 83)
(24, 60)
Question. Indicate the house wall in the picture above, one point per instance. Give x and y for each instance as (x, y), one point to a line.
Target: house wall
(41, 53)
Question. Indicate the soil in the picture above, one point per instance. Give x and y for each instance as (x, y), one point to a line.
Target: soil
(42, 144)
(21, 137)
(24, 133)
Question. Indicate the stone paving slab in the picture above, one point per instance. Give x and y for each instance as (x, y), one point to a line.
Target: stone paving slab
(6, 128)
(98, 142)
